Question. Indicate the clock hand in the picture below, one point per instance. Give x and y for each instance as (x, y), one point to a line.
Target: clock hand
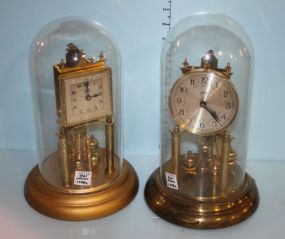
(98, 94)
(87, 97)
(213, 113)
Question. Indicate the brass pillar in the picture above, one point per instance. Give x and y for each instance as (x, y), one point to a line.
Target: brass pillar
(215, 165)
(225, 162)
(109, 137)
(63, 157)
(175, 149)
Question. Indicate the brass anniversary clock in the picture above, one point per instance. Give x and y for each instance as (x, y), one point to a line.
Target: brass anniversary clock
(201, 182)
(84, 96)
(82, 174)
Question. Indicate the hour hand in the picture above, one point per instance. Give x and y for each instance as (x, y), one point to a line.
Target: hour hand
(87, 96)
(213, 113)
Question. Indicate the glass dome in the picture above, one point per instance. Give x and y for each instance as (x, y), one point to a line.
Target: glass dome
(76, 83)
(206, 73)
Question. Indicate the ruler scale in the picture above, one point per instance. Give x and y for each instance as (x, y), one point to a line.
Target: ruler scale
(168, 11)
(167, 126)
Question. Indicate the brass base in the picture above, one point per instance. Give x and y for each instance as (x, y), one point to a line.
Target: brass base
(66, 204)
(202, 213)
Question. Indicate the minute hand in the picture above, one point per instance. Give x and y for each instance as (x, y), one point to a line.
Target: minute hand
(213, 113)
(97, 94)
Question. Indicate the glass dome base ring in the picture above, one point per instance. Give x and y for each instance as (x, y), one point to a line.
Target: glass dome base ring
(60, 204)
(198, 213)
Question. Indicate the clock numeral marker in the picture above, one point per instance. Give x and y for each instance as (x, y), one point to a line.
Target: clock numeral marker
(183, 89)
(223, 116)
(181, 112)
(214, 124)
(228, 105)
(226, 93)
(190, 121)
(179, 100)
(202, 125)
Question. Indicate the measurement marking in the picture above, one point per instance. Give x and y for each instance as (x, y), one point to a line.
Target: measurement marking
(168, 22)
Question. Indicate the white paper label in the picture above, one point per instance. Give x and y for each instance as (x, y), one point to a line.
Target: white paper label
(82, 178)
(171, 180)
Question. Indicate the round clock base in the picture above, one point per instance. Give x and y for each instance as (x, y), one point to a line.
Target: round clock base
(198, 213)
(63, 204)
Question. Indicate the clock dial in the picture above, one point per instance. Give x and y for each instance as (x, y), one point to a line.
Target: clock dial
(203, 102)
(88, 97)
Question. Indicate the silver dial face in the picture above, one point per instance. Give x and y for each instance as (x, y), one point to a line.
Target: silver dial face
(88, 97)
(203, 102)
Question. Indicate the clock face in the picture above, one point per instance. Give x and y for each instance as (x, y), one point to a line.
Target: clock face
(203, 102)
(87, 97)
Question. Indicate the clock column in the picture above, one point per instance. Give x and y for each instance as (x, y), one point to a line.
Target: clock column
(63, 155)
(109, 137)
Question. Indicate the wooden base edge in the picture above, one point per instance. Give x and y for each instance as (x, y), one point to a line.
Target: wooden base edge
(202, 214)
(64, 205)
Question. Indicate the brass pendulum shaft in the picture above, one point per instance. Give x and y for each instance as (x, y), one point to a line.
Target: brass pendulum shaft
(215, 166)
(89, 154)
(78, 147)
(225, 162)
(109, 135)
(210, 150)
(175, 149)
(211, 163)
(63, 155)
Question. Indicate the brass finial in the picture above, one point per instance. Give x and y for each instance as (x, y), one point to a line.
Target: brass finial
(176, 130)
(102, 56)
(62, 64)
(73, 55)
(186, 67)
(228, 70)
(185, 63)
(209, 61)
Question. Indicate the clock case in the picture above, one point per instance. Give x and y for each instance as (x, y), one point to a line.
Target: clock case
(82, 173)
(83, 68)
(201, 182)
